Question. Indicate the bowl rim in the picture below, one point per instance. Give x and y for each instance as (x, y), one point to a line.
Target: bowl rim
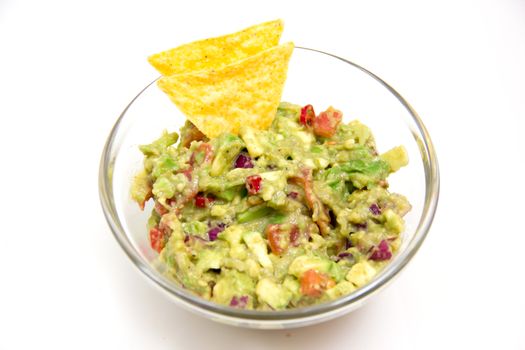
(432, 181)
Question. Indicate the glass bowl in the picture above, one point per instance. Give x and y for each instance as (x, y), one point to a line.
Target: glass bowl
(316, 78)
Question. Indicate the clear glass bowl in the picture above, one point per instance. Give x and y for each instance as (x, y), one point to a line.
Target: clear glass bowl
(316, 78)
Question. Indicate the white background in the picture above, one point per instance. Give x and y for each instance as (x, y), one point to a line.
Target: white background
(67, 69)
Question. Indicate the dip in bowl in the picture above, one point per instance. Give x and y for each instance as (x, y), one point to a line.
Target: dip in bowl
(315, 78)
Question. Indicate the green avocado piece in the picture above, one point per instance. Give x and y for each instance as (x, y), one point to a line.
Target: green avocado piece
(158, 146)
(228, 148)
(303, 263)
(254, 213)
(397, 158)
(210, 259)
(232, 283)
(253, 139)
(366, 172)
(257, 245)
(273, 294)
(141, 188)
(165, 163)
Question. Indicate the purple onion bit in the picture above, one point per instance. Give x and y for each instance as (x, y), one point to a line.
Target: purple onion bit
(243, 161)
(381, 252)
(293, 195)
(344, 255)
(214, 232)
(375, 209)
(361, 226)
(240, 302)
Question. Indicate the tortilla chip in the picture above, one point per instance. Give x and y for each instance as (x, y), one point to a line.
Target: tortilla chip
(247, 92)
(218, 52)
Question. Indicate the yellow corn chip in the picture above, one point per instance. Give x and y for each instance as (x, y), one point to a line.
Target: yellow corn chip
(218, 52)
(247, 92)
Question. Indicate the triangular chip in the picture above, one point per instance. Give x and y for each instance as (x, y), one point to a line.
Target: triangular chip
(218, 52)
(244, 93)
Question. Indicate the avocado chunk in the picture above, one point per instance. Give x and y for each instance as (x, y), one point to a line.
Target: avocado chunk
(361, 273)
(254, 213)
(273, 294)
(233, 283)
(393, 222)
(342, 288)
(169, 184)
(366, 172)
(158, 146)
(229, 147)
(210, 259)
(272, 182)
(233, 235)
(257, 245)
(293, 285)
(303, 263)
(141, 188)
(251, 138)
(396, 158)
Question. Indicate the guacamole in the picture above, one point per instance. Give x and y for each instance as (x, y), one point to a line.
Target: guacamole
(275, 219)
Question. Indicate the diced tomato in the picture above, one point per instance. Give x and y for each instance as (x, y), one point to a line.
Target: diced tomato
(160, 209)
(253, 184)
(157, 238)
(307, 115)
(187, 173)
(202, 200)
(314, 283)
(273, 233)
(280, 236)
(325, 124)
(308, 185)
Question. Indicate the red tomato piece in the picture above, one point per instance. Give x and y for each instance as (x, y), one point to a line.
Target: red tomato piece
(253, 184)
(160, 209)
(280, 236)
(157, 238)
(325, 124)
(314, 283)
(307, 115)
(187, 173)
(202, 200)
(275, 238)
